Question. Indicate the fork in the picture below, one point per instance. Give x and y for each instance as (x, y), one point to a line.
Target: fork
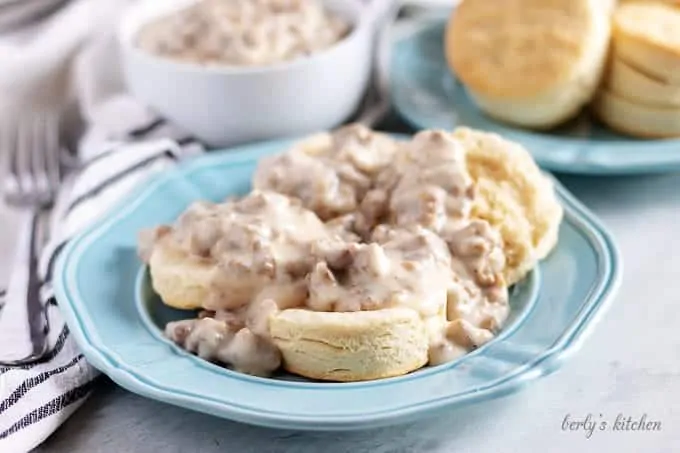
(32, 150)
(377, 103)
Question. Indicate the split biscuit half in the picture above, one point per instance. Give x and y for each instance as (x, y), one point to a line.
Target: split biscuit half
(514, 196)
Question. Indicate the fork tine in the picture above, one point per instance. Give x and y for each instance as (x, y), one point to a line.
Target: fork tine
(8, 135)
(53, 153)
(39, 149)
(22, 159)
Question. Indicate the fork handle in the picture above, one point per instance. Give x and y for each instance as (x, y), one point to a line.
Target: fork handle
(23, 322)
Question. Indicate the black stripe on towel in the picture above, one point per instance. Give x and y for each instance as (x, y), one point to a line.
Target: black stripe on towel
(101, 156)
(58, 346)
(184, 141)
(117, 177)
(34, 381)
(53, 258)
(146, 129)
(49, 409)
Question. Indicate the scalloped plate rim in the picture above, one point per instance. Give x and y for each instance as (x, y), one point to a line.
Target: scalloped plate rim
(550, 359)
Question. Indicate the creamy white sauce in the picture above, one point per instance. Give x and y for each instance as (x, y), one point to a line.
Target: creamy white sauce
(330, 173)
(243, 32)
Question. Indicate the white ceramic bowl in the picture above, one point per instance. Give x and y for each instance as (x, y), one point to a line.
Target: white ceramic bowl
(228, 105)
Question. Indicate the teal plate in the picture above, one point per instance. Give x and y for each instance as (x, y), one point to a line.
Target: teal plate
(428, 96)
(116, 319)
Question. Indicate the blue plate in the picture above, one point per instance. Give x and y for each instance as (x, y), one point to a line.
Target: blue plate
(117, 320)
(427, 95)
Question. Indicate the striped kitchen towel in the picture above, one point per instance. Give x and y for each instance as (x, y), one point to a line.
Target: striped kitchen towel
(36, 399)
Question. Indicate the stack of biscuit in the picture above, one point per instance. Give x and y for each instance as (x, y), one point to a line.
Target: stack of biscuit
(537, 63)
(531, 63)
(641, 89)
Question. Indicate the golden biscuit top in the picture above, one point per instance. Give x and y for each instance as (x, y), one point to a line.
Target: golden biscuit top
(655, 23)
(517, 47)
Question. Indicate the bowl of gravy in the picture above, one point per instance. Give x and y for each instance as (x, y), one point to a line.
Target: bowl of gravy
(235, 71)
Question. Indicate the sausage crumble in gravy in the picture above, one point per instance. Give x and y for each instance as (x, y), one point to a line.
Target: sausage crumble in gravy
(344, 222)
(243, 32)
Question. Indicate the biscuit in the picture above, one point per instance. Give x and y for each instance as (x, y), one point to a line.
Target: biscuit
(645, 121)
(514, 197)
(528, 62)
(628, 83)
(350, 346)
(647, 37)
(336, 346)
(180, 279)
